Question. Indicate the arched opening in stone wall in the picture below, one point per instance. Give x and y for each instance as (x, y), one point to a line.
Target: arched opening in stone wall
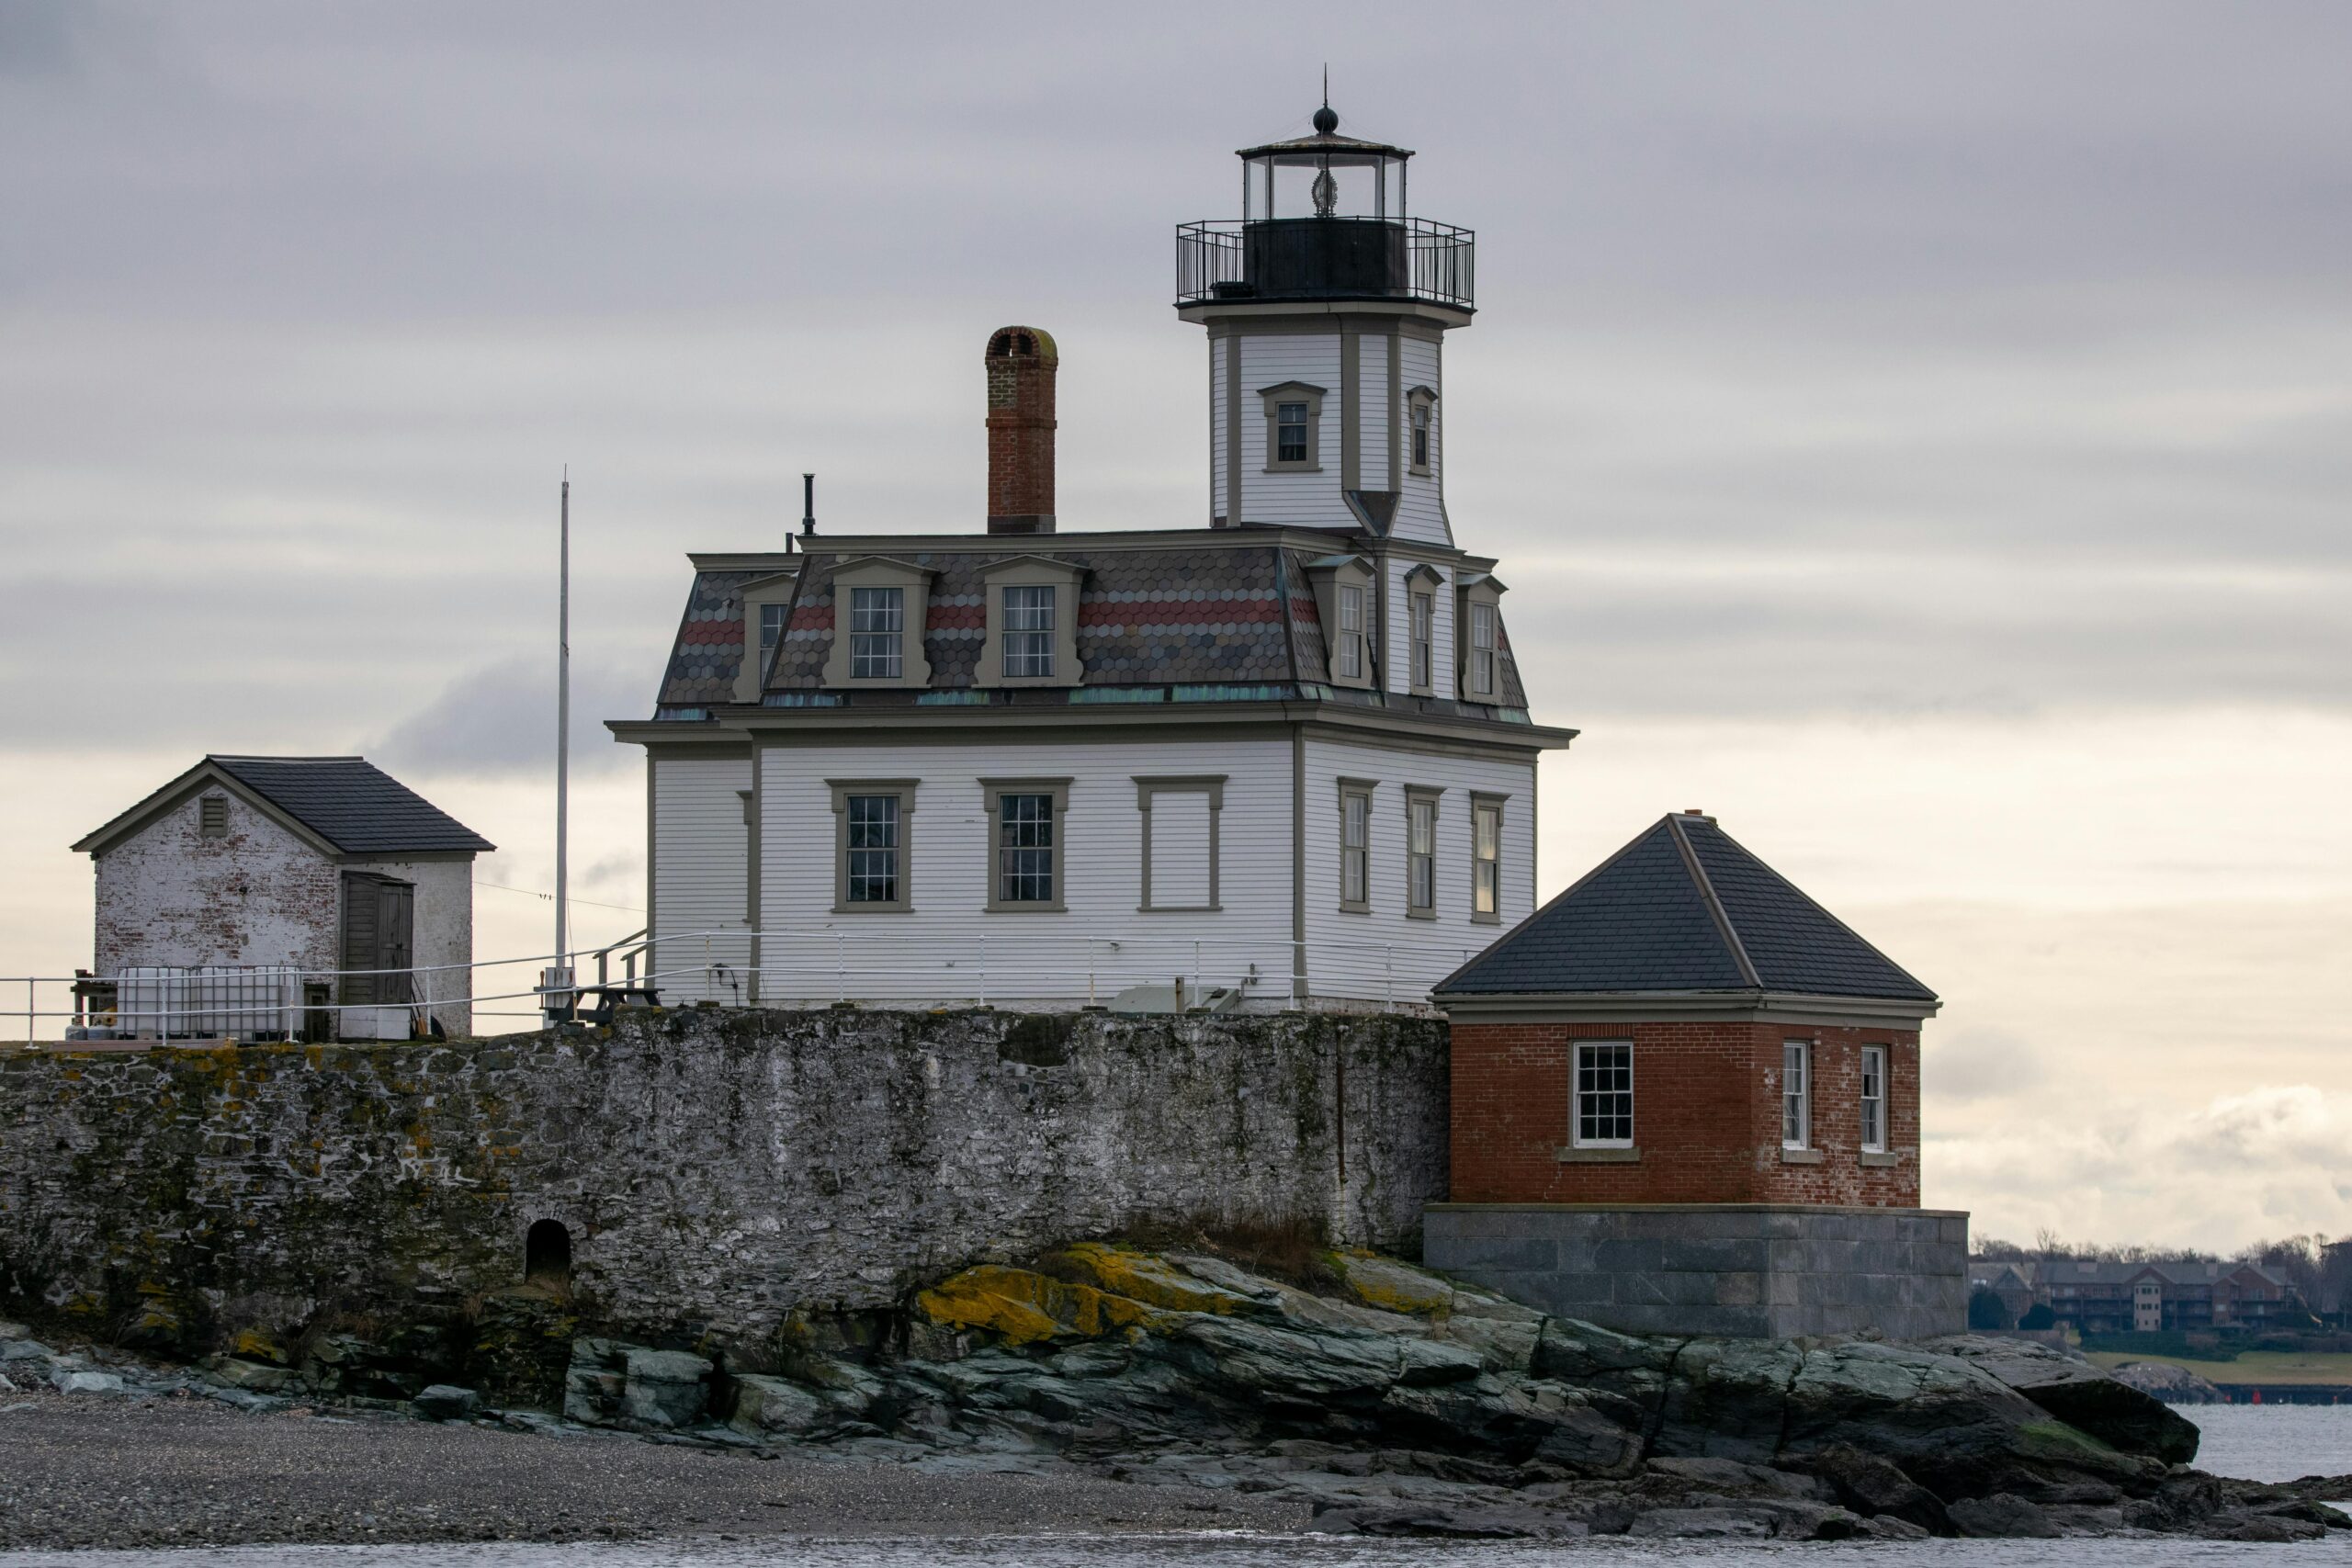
(547, 1254)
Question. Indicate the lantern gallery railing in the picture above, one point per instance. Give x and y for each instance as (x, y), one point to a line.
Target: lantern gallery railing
(1326, 258)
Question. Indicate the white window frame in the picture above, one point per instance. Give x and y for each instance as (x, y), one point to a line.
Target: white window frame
(1796, 1094)
(1486, 859)
(1355, 860)
(1027, 651)
(1578, 1092)
(1484, 662)
(1353, 598)
(1421, 851)
(877, 653)
(1873, 1107)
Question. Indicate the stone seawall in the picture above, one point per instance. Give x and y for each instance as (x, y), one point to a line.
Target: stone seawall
(716, 1172)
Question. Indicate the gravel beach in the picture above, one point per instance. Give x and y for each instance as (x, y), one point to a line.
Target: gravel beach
(78, 1472)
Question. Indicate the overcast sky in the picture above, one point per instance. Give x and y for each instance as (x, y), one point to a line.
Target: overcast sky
(1921, 435)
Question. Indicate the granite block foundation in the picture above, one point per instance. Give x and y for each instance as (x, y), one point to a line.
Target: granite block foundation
(1740, 1270)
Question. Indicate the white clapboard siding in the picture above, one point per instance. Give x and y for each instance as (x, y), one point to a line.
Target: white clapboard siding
(701, 855)
(1218, 456)
(1268, 360)
(1383, 955)
(1377, 417)
(1420, 512)
(948, 948)
(1180, 849)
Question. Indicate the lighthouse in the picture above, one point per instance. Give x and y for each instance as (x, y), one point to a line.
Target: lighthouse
(1326, 305)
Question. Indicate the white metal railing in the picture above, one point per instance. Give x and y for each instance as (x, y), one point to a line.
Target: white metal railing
(811, 967)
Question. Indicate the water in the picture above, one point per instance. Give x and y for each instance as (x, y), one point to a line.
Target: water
(2276, 1442)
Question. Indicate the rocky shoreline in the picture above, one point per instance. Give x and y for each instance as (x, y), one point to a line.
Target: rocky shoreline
(1112, 1388)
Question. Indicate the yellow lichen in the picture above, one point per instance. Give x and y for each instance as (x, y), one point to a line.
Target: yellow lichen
(1140, 1276)
(1025, 1308)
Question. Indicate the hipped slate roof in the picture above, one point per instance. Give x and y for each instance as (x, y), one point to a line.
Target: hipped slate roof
(1186, 614)
(348, 803)
(1684, 907)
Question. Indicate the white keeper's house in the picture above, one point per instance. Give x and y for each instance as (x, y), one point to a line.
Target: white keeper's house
(1281, 760)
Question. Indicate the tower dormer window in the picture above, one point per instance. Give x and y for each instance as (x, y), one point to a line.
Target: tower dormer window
(1290, 433)
(877, 621)
(1420, 414)
(1293, 427)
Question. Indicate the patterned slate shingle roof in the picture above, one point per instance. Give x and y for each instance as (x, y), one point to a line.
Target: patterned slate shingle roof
(353, 804)
(710, 650)
(1229, 615)
(1674, 910)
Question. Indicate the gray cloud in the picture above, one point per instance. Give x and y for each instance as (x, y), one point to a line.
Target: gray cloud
(500, 719)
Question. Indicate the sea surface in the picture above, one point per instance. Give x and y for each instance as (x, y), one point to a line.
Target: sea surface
(2258, 1442)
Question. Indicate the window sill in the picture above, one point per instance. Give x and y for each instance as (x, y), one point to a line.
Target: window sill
(1880, 1158)
(1027, 907)
(1486, 919)
(1180, 909)
(1801, 1156)
(1420, 914)
(1572, 1155)
(1294, 468)
(874, 908)
(1355, 908)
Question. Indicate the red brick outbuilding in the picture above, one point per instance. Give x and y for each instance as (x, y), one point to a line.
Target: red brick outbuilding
(1685, 1026)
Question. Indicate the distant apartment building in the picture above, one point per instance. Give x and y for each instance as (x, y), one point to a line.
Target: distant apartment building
(2148, 1298)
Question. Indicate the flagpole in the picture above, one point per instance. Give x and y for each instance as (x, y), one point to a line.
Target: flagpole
(563, 726)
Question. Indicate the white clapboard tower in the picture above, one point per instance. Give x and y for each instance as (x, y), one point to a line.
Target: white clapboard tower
(1327, 306)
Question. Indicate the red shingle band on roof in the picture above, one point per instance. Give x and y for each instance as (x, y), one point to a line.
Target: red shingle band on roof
(1175, 612)
(712, 631)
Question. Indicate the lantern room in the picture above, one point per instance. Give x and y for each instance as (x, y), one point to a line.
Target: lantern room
(1324, 217)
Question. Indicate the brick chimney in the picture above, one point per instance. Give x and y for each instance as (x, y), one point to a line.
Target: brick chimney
(1021, 365)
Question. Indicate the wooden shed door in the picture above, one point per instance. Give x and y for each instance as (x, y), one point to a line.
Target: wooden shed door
(378, 929)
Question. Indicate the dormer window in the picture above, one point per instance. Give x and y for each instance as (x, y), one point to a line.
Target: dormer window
(880, 607)
(1293, 427)
(1344, 604)
(1029, 633)
(877, 622)
(1482, 650)
(1350, 649)
(1032, 603)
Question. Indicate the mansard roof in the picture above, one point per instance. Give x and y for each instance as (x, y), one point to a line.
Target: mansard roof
(1684, 908)
(1230, 609)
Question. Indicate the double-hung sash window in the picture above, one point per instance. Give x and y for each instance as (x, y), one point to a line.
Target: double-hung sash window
(1029, 633)
(1355, 849)
(1604, 1094)
(1421, 854)
(1351, 632)
(1487, 861)
(1796, 1095)
(1874, 1099)
(876, 633)
(1290, 433)
(1424, 627)
(1025, 839)
(1482, 650)
(771, 619)
(875, 844)
(1421, 435)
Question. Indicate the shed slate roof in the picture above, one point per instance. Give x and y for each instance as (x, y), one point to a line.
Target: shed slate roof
(1683, 907)
(353, 803)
